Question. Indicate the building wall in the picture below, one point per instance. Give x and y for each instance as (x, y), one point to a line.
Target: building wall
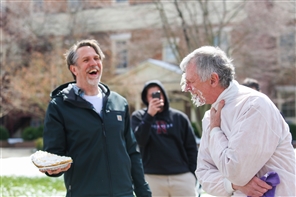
(57, 22)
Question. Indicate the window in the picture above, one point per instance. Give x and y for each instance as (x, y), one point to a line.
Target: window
(35, 122)
(169, 50)
(288, 109)
(168, 53)
(120, 2)
(285, 101)
(222, 40)
(3, 6)
(287, 49)
(120, 51)
(74, 5)
(37, 5)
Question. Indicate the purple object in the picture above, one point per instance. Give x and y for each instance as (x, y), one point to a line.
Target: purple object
(272, 179)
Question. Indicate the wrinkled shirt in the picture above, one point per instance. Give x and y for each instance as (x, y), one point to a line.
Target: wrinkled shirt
(252, 140)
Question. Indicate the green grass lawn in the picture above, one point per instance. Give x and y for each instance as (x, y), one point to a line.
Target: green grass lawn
(18, 186)
(12, 186)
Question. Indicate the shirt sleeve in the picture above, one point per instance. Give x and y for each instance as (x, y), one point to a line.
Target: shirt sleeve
(190, 146)
(53, 134)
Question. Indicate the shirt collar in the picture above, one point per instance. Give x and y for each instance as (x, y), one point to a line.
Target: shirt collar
(77, 90)
(228, 94)
(80, 92)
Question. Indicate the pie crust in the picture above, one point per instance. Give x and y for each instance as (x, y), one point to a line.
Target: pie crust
(45, 160)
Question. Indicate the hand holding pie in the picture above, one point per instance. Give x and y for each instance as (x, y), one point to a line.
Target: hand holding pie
(52, 163)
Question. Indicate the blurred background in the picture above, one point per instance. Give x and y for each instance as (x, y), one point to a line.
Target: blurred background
(142, 40)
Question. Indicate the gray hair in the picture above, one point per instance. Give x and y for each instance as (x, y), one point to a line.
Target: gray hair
(208, 60)
(71, 55)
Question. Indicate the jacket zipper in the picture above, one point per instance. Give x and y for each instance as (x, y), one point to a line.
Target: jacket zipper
(69, 189)
(107, 156)
(105, 141)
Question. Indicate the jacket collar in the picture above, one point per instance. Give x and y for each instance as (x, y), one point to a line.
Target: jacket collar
(70, 89)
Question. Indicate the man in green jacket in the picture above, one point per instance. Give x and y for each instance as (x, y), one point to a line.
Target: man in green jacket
(90, 123)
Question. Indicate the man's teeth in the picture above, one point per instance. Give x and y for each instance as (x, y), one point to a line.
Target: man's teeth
(93, 71)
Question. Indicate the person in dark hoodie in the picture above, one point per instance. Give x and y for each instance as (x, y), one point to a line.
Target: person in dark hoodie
(167, 144)
(91, 124)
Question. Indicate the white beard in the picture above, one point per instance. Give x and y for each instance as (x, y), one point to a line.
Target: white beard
(198, 100)
(93, 82)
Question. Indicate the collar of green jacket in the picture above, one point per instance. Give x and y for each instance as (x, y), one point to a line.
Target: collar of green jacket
(68, 88)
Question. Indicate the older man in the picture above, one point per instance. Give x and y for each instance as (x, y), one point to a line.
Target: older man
(245, 138)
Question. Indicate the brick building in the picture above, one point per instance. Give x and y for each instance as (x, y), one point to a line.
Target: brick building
(133, 31)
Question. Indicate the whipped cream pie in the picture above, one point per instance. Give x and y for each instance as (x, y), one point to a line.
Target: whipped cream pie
(43, 159)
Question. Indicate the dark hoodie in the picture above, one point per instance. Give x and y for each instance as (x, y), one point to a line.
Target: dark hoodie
(103, 147)
(167, 142)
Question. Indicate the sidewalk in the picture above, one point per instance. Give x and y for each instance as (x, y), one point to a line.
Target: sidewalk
(17, 162)
(15, 152)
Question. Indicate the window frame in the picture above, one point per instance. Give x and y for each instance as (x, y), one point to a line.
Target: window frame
(120, 2)
(118, 51)
(74, 5)
(37, 6)
(167, 51)
(283, 97)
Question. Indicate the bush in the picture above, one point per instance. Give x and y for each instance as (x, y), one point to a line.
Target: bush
(293, 130)
(39, 132)
(39, 143)
(29, 133)
(4, 134)
(195, 129)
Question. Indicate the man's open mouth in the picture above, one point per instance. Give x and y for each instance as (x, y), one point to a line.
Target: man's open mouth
(93, 72)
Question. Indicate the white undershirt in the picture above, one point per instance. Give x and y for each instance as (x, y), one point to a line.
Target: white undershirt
(96, 101)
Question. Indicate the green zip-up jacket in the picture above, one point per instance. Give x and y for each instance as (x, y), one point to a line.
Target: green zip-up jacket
(106, 162)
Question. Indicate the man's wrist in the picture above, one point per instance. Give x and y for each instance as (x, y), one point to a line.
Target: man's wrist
(234, 187)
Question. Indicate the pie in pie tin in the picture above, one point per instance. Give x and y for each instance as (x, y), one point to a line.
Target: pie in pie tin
(47, 161)
(54, 167)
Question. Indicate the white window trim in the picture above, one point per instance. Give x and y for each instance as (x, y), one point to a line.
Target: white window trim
(123, 36)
